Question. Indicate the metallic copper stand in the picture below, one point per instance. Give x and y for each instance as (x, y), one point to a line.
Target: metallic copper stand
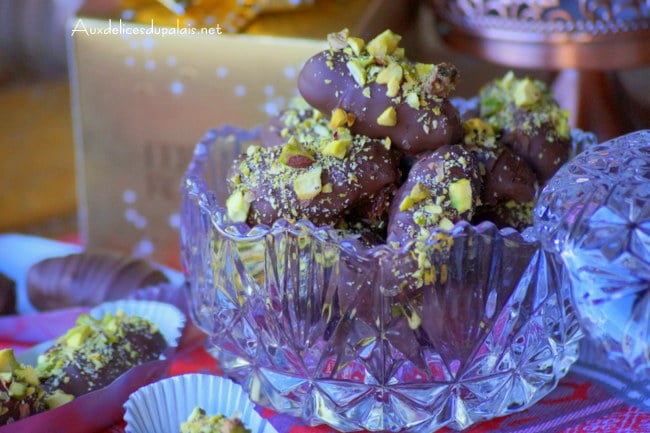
(585, 41)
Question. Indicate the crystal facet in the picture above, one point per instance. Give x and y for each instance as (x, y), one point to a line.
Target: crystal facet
(595, 214)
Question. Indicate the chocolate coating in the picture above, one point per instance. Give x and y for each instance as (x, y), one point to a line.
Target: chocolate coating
(87, 279)
(372, 212)
(544, 156)
(505, 175)
(7, 295)
(426, 123)
(95, 352)
(442, 188)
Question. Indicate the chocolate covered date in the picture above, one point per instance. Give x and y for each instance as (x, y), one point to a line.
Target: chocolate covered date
(383, 93)
(442, 188)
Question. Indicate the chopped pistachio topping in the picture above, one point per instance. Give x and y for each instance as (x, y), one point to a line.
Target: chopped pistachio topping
(308, 185)
(413, 100)
(460, 195)
(8, 363)
(338, 40)
(340, 118)
(393, 87)
(393, 70)
(237, 206)
(418, 193)
(337, 148)
(58, 398)
(388, 117)
(423, 70)
(384, 43)
(526, 93)
(357, 45)
(561, 122)
(294, 154)
(358, 71)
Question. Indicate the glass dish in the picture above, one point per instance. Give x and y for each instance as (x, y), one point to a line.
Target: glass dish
(313, 323)
(595, 215)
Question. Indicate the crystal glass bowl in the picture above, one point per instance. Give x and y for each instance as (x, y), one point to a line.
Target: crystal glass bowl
(315, 324)
(595, 215)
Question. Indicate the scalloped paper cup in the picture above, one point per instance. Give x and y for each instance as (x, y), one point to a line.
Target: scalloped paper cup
(163, 406)
(102, 408)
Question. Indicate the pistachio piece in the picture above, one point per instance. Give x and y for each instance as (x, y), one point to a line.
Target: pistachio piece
(507, 80)
(237, 207)
(357, 45)
(478, 131)
(8, 362)
(357, 70)
(562, 123)
(383, 44)
(77, 335)
(28, 374)
(460, 195)
(339, 118)
(413, 100)
(525, 92)
(110, 322)
(393, 87)
(17, 390)
(308, 185)
(388, 117)
(392, 76)
(423, 70)
(337, 148)
(58, 398)
(338, 40)
(418, 193)
(399, 52)
(393, 70)
(295, 155)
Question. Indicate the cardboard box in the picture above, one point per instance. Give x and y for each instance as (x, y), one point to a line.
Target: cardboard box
(143, 95)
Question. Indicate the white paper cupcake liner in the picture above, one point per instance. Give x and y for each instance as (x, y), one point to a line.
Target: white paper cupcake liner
(162, 406)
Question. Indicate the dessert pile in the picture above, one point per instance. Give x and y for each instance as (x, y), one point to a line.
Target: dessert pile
(375, 145)
(89, 356)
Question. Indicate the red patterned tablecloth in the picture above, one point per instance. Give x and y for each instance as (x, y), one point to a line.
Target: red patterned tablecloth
(575, 406)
